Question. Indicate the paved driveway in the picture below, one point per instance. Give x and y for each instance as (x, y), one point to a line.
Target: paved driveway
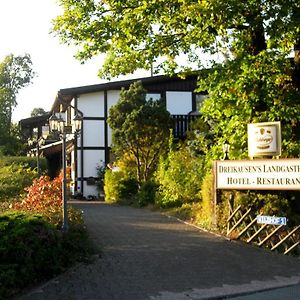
(146, 255)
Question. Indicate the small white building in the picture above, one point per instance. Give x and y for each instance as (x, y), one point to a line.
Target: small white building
(92, 147)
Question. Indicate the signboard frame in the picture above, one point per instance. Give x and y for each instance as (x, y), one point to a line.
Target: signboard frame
(260, 179)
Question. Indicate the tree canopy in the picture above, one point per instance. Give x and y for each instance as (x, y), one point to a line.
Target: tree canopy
(252, 76)
(15, 73)
(140, 129)
(137, 33)
(38, 111)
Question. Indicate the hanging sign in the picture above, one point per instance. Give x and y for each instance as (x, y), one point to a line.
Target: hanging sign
(261, 174)
(264, 139)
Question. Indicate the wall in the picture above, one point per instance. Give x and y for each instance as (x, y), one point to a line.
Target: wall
(96, 139)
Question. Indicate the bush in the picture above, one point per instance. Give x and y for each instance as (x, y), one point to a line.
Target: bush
(31, 250)
(179, 177)
(119, 189)
(205, 216)
(13, 179)
(263, 202)
(30, 162)
(147, 193)
(100, 169)
(45, 197)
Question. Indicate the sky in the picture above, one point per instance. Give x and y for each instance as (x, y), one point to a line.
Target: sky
(24, 28)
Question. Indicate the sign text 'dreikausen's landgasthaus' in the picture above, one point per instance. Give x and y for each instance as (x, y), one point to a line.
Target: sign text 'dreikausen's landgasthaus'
(258, 174)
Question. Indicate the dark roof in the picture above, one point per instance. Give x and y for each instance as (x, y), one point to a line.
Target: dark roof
(34, 121)
(151, 84)
(146, 81)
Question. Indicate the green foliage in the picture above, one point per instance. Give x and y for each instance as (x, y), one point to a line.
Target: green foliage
(250, 89)
(179, 177)
(263, 202)
(31, 251)
(100, 168)
(140, 129)
(38, 111)
(23, 160)
(111, 182)
(13, 179)
(147, 193)
(137, 34)
(119, 189)
(15, 73)
(10, 142)
(205, 216)
(188, 212)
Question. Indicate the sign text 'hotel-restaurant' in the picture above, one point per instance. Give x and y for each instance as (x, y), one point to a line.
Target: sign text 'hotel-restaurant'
(282, 174)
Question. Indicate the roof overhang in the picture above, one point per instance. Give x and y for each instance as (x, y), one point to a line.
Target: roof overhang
(65, 96)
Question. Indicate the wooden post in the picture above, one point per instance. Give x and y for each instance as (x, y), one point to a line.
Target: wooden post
(214, 195)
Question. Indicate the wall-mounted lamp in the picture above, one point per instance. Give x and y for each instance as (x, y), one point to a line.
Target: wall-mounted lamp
(226, 147)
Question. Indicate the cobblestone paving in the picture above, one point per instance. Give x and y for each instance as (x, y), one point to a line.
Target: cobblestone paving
(145, 255)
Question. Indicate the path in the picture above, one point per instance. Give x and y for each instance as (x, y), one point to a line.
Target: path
(149, 256)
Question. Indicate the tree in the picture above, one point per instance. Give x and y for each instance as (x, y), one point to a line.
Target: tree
(136, 34)
(140, 129)
(15, 73)
(255, 81)
(249, 89)
(38, 111)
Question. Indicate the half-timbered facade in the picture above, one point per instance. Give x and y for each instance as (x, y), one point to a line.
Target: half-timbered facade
(92, 147)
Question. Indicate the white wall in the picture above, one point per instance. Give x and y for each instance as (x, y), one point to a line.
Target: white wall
(91, 158)
(179, 103)
(92, 105)
(112, 99)
(94, 133)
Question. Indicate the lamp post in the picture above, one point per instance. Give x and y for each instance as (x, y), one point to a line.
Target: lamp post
(226, 147)
(39, 141)
(58, 124)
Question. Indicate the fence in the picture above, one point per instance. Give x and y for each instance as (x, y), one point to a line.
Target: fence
(242, 224)
(182, 123)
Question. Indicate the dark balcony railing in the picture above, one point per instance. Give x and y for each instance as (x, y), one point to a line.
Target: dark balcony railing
(182, 123)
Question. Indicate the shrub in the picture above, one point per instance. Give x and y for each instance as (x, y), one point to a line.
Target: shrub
(13, 179)
(147, 193)
(179, 177)
(30, 162)
(205, 216)
(100, 169)
(45, 197)
(262, 202)
(111, 182)
(32, 250)
(119, 189)
(187, 212)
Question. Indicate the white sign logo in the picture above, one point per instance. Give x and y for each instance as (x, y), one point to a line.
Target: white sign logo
(264, 139)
